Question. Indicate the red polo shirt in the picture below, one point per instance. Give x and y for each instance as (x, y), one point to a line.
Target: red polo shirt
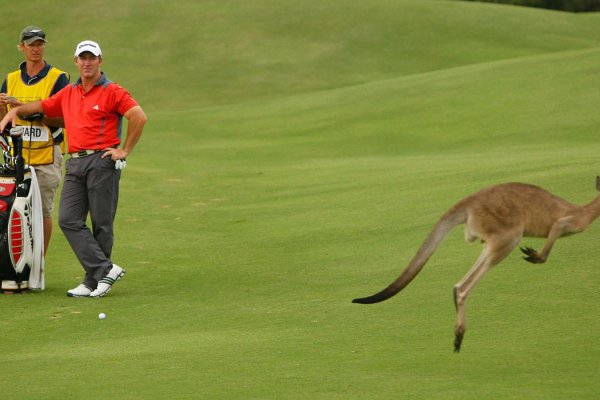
(93, 119)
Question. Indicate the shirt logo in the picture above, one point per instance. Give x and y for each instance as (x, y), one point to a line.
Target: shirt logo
(96, 107)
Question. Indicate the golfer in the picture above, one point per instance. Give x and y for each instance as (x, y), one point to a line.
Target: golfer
(92, 109)
(36, 80)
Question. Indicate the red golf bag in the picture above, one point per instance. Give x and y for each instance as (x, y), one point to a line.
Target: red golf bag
(21, 221)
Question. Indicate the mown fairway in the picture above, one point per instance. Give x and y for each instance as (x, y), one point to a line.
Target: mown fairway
(296, 156)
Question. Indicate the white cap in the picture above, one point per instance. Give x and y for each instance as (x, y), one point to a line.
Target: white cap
(88, 45)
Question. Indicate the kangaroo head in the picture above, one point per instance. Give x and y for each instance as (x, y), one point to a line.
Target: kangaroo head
(598, 183)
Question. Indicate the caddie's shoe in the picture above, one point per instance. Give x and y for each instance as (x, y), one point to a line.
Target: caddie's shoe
(108, 281)
(79, 291)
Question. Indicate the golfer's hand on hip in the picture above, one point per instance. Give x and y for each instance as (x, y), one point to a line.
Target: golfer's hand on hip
(114, 154)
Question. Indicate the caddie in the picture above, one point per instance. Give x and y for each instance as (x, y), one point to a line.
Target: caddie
(43, 143)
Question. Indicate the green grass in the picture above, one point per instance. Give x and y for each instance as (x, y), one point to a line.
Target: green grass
(296, 156)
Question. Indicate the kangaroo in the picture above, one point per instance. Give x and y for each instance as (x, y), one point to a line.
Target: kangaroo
(500, 215)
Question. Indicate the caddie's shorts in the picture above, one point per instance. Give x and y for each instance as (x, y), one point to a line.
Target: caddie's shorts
(49, 176)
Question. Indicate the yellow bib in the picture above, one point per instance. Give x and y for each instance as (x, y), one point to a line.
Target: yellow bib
(37, 140)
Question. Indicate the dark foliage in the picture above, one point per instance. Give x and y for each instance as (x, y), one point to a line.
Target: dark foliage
(563, 5)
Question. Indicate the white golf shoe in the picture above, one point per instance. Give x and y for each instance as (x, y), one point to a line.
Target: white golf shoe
(79, 291)
(108, 281)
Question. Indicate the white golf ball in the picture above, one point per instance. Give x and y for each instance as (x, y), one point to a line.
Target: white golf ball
(101, 315)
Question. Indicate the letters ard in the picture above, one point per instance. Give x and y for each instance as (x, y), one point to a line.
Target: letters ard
(35, 133)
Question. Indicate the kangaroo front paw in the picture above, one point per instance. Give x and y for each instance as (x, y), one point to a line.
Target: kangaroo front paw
(532, 256)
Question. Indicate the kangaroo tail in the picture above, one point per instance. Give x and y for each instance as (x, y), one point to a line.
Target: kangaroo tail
(455, 216)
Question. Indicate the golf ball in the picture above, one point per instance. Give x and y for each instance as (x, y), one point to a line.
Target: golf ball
(101, 315)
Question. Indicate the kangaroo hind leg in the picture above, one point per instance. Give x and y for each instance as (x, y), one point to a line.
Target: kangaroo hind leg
(494, 252)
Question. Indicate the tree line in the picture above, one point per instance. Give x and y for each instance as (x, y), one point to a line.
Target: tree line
(563, 5)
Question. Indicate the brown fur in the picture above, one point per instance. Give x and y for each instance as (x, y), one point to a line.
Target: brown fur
(500, 216)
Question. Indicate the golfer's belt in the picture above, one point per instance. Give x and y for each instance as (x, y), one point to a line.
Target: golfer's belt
(83, 153)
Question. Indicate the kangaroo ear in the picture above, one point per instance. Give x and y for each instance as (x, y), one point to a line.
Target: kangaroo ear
(598, 183)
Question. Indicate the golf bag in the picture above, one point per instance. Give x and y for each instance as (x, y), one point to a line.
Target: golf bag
(21, 221)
